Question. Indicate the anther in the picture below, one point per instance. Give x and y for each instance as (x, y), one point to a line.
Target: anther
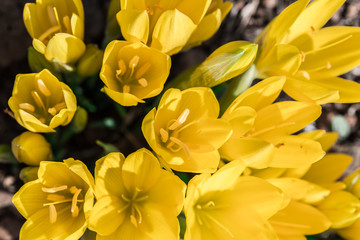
(134, 61)
(42, 87)
(27, 107)
(52, 213)
(181, 119)
(126, 88)
(164, 135)
(149, 10)
(313, 30)
(122, 67)
(35, 95)
(305, 74)
(303, 55)
(51, 15)
(143, 82)
(182, 145)
(142, 70)
(125, 198)
(328, 65)
(54, 189)
(74, 207)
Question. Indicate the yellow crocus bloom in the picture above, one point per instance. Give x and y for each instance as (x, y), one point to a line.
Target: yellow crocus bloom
(40, 102)
(57, 204)
(133, 71)
(136, 199)
(169, 25)
(57, 28)
(226, 205)
(262, 129)
(31, 148)
(184, 130)
(295, 44)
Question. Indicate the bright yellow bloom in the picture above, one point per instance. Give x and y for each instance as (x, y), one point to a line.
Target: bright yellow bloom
(262, 129)
(136, 199)
(227, 206)
(184, 131)
(40, 102)
(168, 25)
(132, 72)
(57, 204)
(31, 148)
(57, 28)
(296, 45)
(341, 207)
(211, 22)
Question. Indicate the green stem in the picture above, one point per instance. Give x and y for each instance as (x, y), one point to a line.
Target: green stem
(237, 86)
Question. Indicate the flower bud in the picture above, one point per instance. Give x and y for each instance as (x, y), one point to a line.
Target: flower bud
(31, 148)
(90, 63)
(80, 120)
(28, 174)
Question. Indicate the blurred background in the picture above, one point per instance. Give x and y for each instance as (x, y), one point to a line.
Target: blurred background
(245, 21)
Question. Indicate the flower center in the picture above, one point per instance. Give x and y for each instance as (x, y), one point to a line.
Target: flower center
(132, 75)
(58, 25)
(63, 195)
(169, 137)
(40, 105)
(133, 203)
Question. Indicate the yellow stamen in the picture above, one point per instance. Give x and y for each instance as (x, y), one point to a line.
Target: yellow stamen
(122, 67)
(35, 95)
(164, 135)
(42, 87)
(303, 55)
(126, 199)
(142, 70)
(48, 32)
(181, 145)
(57, 108)
(143, 82)
(67, 24)
(54, 189)
(27, 107)
(133, 63)
(52, 111)
(181, 119)
(126, 89)
(51, 15)
(149, 11)
(52, 213)
(209, 204)
(328, 65)
(57, 19)
(137, 209)
(74, 207)
(305, 74)
(42, 120)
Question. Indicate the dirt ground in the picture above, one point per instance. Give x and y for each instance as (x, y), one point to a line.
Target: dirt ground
(245, 21)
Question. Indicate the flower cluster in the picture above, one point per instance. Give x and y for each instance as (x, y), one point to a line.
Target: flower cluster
(230, 165)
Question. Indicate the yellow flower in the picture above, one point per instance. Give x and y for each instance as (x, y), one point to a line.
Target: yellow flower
(211, 22)
(229, 206)
(31, 148)
(296, 45)
(40, 102)
(132, 72)
(184, 131)
(57, 28)
(262, 129)
(167, 25)
(136, 199)
(57, 204)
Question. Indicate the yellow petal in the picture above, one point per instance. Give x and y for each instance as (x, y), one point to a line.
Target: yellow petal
(77, 26)
(205, 135)
(194, 10)
(310, 91)
(311, 19)
(141, 170)
(172, 31)
(106, 217)
(254, 152)
(39, 46)
(303, 152)
(134, 25)
(241, 119)
(66, 227)
(337, 56)
(260, 95)
(284, 118)
(125, 99)
(329, 168)
(299, 219)
(64, 48)
(352, 232)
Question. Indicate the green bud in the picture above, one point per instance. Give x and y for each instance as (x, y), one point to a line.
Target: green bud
(38, 62)
(80, 120)
(90, 63)
(226, 62)
(28, 174)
